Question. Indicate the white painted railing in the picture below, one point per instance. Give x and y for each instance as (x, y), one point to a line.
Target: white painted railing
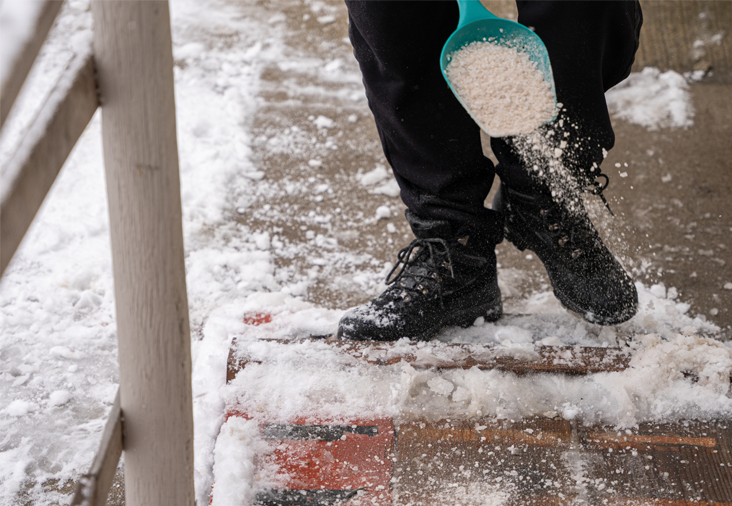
(130, 73)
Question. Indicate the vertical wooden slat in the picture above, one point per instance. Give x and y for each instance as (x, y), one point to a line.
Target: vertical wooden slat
(133, 52)
(671, 28)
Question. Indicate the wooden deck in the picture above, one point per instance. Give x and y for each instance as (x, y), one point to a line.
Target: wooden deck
(537, 461)
(553, 461)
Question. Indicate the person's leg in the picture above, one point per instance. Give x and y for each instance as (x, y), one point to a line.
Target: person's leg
(431, 143)
(591, 46)
(447, 276)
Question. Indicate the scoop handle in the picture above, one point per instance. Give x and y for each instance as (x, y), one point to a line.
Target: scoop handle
(472, 10)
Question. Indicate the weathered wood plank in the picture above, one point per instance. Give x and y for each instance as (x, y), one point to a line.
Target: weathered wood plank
(93, 487)
(23, 62)
(533, 461)
(687, 35)
(542, 461)
(134, 61)
(560, 360)
(47, 144)
(539, 461)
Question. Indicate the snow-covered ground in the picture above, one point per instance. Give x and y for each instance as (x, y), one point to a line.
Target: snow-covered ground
(58, 372)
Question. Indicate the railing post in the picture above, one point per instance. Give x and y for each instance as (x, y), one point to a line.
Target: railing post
(133, 55)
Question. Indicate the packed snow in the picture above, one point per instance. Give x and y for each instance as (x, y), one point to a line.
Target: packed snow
(58, 365)
(282, 380)
(652, 99)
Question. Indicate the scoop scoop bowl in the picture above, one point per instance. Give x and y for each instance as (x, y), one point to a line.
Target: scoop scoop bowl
(478, 24)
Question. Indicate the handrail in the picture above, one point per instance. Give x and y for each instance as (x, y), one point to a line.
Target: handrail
(132, 67)
(21, 65)
(31, 171)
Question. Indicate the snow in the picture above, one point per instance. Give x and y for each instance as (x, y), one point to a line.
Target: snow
(383, 212)
(324, 122)
(652, 99)
(288, 378)
(58, 364)
(59, 397)
(377, 175)
(238, 444)
(379, 181)
(19, 408)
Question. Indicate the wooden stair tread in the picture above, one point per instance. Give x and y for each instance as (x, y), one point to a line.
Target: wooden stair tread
(555, 359)
(532, 461)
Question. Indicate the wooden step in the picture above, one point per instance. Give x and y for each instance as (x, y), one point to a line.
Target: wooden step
(534, 461)
(537, 461)
(573, 360)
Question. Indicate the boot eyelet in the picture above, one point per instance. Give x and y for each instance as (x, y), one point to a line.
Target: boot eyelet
(576, 253)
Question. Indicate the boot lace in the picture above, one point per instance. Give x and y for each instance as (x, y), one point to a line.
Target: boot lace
(418, 267)
(596, 188)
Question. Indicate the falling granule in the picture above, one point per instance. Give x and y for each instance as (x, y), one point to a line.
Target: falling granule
(503, 89)
(543, 153)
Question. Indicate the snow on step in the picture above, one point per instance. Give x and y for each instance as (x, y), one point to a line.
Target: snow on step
(412, 423)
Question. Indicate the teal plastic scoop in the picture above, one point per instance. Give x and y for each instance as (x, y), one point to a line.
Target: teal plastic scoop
(477, 24)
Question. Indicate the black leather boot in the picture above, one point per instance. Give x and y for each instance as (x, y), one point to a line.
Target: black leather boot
(446, 276)
(586, 277)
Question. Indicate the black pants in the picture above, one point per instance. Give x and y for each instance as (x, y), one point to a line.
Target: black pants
(433, 145)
